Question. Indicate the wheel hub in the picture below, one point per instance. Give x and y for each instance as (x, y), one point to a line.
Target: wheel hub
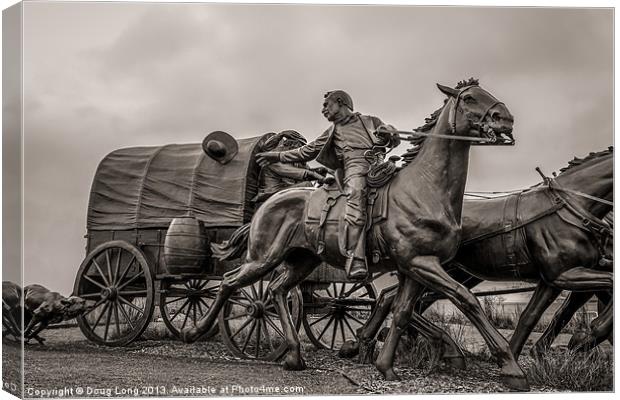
(256, 309)
(109, 293)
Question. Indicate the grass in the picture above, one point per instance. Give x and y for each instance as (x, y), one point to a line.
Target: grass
(564, 369)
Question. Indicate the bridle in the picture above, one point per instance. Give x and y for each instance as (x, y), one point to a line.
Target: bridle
(455, 108)
(452, 121)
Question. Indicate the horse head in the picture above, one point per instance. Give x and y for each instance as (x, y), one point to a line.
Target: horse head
(474, 112)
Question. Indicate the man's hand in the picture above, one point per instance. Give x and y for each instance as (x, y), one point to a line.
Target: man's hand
(311, 175)
(268, 157)
(320, 170)
(388, 135)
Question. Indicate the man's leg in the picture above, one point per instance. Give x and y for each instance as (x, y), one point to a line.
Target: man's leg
(355, 217)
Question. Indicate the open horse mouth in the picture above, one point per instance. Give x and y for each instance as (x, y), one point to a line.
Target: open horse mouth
(498, 134)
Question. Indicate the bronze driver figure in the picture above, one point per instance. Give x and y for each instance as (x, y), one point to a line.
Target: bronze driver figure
(343, 146)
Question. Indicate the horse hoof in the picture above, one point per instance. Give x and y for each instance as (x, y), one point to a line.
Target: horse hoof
(190, 335)
(349, 349)
(579, 342)
(294, 364)
(516, 383)
(390, 375)
(456, 362)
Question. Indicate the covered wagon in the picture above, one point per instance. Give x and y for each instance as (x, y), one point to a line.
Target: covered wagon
(152, 213)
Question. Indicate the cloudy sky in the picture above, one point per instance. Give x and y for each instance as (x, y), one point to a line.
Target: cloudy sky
(102, 76)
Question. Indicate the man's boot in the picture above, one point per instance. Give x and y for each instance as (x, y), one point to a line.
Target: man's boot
(356, 267)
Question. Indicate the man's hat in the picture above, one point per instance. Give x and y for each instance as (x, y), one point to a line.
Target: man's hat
(220, 146)
(340, 96)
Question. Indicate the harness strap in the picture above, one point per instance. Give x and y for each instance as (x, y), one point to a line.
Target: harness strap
(508, 228)
(329, 203)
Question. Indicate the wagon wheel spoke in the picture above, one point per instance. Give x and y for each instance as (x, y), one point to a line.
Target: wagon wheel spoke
(320, 319)
(96, 264)
(179, 310)
(267, 335)
(235, 316)
(133, 292)
(342, 287)
(175, 299)
(334, 333)
(205, 305)
(237, 302)
(195, 304)
(118, 321)
(187, 314)
(353, 318)
(260, 289)
(91, 280)
(107, 324)
(130, 304)
(258, 329)
(133, 278)
(325, 328)
(126, 316)
(90, 295)
(247, 338)
(354, 289)
(254, 292)
(275, 328)
(127, 268)
(117, 266)
(108, 265)
(342, 331)
(246, 323)
(349, 326)
(247, 295)
(105, 308)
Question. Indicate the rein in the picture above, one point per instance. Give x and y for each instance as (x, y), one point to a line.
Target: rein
(588, 222)
(452, 119)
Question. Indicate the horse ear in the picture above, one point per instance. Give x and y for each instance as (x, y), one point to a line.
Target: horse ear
(448, 91)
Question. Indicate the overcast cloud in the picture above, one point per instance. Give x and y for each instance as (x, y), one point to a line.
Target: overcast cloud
(99, 77)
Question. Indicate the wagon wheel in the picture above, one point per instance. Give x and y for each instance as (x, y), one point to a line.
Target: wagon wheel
(181, 304)
(116, 276)
(250, 324)
(332, 315)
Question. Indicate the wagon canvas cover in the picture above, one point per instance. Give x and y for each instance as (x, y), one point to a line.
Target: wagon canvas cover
(146, 187)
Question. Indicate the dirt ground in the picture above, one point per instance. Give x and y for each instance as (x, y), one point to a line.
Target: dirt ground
(70, 366)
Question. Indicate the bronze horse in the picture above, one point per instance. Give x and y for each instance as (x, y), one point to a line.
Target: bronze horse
(556, 239)
(423, 228)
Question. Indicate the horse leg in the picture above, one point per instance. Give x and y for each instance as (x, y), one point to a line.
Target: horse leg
(561, 318)
(604, 297)
(452, 353)
(246, 274)
(601, 328)
(403, 306)
(428, 271)
(542, 298)
(293, 275)
(365, 344)
(584, 280)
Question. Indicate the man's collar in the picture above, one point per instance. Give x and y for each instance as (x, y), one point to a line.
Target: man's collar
(348, 119)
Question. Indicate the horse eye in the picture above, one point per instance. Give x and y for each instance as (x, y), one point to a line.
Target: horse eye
(469, 99)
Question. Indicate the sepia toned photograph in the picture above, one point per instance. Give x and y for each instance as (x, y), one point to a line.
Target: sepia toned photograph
(221, 199)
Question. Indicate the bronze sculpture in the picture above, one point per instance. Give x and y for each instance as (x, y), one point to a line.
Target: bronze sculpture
(41, 308)
(278, 176)
(344, 147)
(423, 230)
(536, 243)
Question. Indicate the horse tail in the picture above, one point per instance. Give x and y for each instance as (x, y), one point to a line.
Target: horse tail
(233, 247)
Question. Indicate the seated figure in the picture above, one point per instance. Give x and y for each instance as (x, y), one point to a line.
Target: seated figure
(278, 176)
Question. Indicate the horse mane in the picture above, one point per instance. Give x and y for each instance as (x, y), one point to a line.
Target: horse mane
(411, 153)
(575, 162)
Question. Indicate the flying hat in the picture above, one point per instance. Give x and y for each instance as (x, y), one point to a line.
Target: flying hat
(220, 146)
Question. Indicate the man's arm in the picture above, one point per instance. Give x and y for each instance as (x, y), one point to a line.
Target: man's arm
(296, 173)
(304, 153)
(386, 134)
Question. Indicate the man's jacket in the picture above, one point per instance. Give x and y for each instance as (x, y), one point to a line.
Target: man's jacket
(323, 149)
